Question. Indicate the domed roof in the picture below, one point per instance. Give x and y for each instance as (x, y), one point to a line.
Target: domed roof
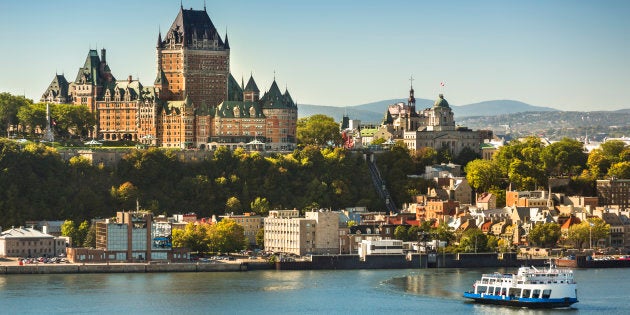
(441, 102)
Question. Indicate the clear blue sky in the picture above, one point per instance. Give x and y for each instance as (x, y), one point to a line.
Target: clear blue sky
(570, 55)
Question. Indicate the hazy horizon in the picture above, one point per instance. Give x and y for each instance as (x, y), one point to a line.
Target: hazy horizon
(563, 54)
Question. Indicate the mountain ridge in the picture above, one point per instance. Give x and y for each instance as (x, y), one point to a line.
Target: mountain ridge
(374, 112)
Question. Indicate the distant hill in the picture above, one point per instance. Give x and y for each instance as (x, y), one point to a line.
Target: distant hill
(374, 112)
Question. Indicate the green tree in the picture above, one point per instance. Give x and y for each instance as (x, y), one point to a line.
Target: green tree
(193, 236)
(412, 233)
(227, 236)
(90, 238)
(598, 163)
(82, 232)
(69, 228)
(520, 162)
(545, 234)
(400, 233)
(443, 233)
(260, 206)
(482, 175)
(9, 107)
(565, 157)
(260, 238)
(473, 241)
(233, 205)
(126, 194)
(319, 130)
(591, 230)
(620, 170)
(465, 156)
(32, 117)
(612, 149)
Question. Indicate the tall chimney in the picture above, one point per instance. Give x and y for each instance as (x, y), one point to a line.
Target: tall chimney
(103, 56)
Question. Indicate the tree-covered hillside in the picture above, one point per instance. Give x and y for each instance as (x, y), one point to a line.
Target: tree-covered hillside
(36, 184)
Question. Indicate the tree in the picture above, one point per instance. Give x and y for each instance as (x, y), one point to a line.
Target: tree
(412, 233)
(90, 238)
(590, 230)
(520, 162)
(482, 175)
(82, 232)
(465, 156)
(260, 237)
(68, 228)
(400, 233)
(227, 236)
(351, 223)
(319, 130)
(473, 241)
(126, 194)
(443, 233)
(620, 170)
(565, 157)
(233, 205)
(9, 107)
(193, 236)
(545, 234)
(260, 206)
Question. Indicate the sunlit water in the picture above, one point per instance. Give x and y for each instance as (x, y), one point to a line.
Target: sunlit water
(288, 292)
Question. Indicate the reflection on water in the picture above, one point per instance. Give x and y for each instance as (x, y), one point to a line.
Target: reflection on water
(286, 292)
(431, 282)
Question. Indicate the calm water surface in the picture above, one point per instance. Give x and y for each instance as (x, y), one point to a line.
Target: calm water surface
(288, 292)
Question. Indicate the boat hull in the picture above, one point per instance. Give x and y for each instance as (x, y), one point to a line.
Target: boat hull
(522, 302)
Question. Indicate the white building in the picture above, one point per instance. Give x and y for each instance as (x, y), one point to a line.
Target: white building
(380, 247)
(316, 233)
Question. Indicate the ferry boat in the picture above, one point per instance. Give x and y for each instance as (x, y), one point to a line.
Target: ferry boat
(530, 287)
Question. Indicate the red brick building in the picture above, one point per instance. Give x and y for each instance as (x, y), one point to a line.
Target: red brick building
(195, 101)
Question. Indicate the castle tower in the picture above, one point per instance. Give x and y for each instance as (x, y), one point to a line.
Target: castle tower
(193, 60)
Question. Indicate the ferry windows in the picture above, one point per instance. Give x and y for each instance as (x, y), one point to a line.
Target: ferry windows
(536, 294)
(546, 294)
(526, 293)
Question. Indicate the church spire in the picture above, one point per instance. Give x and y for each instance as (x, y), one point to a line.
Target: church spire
(412, 100)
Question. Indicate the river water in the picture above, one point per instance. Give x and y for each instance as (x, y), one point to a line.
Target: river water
(425, 291)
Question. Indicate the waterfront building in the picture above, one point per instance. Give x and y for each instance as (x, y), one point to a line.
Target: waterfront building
(250, 222)
(29, 242)
(195, 101)
(131, 237)
(316, 233)
(380, 247)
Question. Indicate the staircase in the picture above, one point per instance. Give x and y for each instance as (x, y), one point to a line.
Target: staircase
(379, 184)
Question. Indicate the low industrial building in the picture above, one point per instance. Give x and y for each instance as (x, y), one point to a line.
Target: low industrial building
(29, 242)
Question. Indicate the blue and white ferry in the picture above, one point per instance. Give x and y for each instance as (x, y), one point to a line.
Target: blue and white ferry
(530, 287)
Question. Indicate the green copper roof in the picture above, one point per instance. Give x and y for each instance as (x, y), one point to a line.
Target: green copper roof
(251, 85)
(234, 109)
(441, 102)
(235, 93)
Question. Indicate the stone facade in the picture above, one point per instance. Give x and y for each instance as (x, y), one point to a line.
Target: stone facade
(29, 242)
(316, 233)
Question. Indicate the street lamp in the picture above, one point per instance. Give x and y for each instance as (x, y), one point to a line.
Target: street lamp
(590, 235)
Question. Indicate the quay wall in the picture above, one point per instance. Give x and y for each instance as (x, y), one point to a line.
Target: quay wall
(431, 260)
(120, 268)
